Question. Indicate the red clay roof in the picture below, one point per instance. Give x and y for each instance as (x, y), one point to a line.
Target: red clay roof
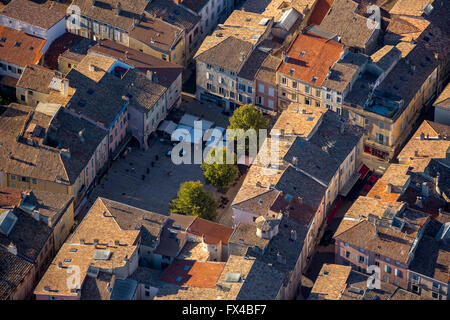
(198, 274)
(19, 48)
(320, 11)
(212, 232)
(318, 55)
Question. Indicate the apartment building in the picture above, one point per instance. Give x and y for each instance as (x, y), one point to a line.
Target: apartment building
(100, 249)
(428, 271)
(167, 74)
(442, 107)
(160, 39)
(210, 11)
(386, 238)
(246, 78)
(337, 282)
(306, 176)
(40, 85)
(217, 70)
(33, 226)
(18, 50)
(304, 68)
(350, 21)
(110, 19)
(55, 153)
(266, 96)
(181, 18)
(45, 20)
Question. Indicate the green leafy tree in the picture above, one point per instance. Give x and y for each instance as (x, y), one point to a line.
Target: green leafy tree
(248, 117)
(244, 119)
(218, 171)
(193, 200)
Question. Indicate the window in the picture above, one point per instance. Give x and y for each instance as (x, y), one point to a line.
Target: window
(294, 84)
(346, 244)
(381, 125)
(271, 92)
(386, 279)
(13, 185)
(317, 92)
(338, 100)
(270, 104)
(307, 101)
(249, 100)
(361, 259)
(240, 98)
(13, 177)
(329, 97)
(396, 282)
(435, 295)
(241, 87)
(231, 95)
(208, 66)
(250, 89)
(34, 181)
(435, 285)
(261, 88)
(387, 269)
(283, 80)
(307, 89)
(347, 254)
(209, 76)
(398, 273)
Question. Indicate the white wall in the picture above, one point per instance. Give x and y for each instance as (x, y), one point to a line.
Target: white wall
(50, 35)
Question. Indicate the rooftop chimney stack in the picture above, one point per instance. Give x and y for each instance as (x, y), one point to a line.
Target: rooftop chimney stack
(419, 202)
(425, 190)
(119, 8)
(389, 188)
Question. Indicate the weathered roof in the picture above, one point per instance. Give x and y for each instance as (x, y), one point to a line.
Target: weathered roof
(47, 163)
(43, 15)
(38, 78)
(172, 13)
(165, 71)
(156, 33)
(13, 271)
(252, 65)
(106, 11)
(343, 19)
(229, 54)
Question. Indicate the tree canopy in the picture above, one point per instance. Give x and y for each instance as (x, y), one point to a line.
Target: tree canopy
(248, 117)
(193, 200)
(218, 171)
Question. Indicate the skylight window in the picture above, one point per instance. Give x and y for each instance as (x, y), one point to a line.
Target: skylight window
(178, 279)
(314, 79)
(17, 44)
(302, 53)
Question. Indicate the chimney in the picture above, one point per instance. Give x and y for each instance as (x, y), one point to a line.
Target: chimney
(96, 241)
(119, 8)
(82, 241)
(60, 265)
(389, 188)
(284, 56)
(81, 135)
(12, 249)
(419, 202)
(295, 161)
(117, 242)
(293, 235)
(437, 180)
(91, 67)
(425, 190)
(149, 75)
(65, 87)
(422, 136)
(416, 153)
